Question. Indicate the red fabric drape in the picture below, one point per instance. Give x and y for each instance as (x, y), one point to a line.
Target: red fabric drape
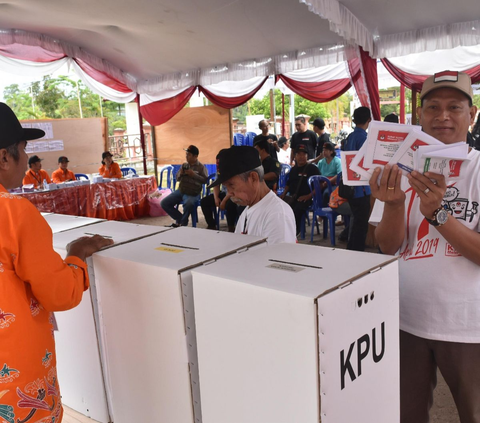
(229, 102)
(103, 77)
(358, 81)
(371, 79)
(121, 200)
(415, 82)
(162, 111)
(320, 92)
(30, 53)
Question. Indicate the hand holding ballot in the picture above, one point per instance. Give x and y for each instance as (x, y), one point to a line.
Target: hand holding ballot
(388, 189)
(408, 148)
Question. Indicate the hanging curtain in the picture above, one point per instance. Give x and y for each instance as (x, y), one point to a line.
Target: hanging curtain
(363, 71)
(369, 71)
(415, 82)
(161, 111)
(231, 94)
(320, 84)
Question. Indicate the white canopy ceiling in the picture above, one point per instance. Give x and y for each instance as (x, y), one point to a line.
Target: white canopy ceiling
(152, 41)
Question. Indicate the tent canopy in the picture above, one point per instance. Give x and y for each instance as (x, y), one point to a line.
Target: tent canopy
(157, 41)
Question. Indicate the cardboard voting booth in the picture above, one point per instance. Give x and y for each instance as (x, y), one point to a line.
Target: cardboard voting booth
(64, 222)
(148, 322)
(297, 333)
(78, 351)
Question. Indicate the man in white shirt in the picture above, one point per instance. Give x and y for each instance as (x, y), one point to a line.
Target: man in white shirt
(434, 226)
(240, 171)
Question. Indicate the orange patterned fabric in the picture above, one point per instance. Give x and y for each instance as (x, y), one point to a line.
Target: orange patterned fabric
(113, 172)
(36, 179)
(61, 175)
(34, 282)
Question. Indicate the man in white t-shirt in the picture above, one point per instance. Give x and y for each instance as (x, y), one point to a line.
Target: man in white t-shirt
(434, 225)
(240, 170)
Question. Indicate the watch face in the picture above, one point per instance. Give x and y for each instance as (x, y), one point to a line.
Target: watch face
(442, 217)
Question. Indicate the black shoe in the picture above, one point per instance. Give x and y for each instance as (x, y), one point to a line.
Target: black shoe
(173, 225)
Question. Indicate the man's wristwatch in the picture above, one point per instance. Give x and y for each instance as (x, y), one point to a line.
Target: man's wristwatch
(440, 217)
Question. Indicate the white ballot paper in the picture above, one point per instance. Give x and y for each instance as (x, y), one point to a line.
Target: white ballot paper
(450, 160)
(383, 141)
(357, 163)
(349, 176)
(403, 158)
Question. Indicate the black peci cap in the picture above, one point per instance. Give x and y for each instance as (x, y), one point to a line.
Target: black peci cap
(235, 160)
(11, 130)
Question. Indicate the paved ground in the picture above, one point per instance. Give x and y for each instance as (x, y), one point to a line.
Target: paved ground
(443, 411)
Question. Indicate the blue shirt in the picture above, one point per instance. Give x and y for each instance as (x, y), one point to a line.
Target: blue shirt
(332, 169)
(354, 142)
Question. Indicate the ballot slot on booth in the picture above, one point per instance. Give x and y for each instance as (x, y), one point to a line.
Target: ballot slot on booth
(298, 333)
(79, 362)
(147, 321)
(63, 222)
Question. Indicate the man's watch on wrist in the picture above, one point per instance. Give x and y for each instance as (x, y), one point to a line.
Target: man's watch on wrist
(440, 217)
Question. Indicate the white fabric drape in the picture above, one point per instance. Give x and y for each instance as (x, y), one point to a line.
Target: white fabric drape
(320, 74)
(429, 62)
(342, 21)
(161, 95)
(14, 36)
(428, 39)
(100, 89)
(32, 69)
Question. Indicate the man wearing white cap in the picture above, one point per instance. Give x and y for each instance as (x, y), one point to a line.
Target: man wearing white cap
(434, 226)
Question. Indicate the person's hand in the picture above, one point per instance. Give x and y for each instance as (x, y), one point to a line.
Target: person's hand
(84, 247)
(430, 188)
(223, 204)
(304, 198)
(189, 172)
(388, 190)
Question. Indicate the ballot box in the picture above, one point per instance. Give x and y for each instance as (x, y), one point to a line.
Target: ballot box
(78, 351)
(298, 333)
(64, 222)
(148, 323)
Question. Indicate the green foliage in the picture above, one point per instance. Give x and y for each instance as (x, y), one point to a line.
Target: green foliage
(62, 98)
(302, 106)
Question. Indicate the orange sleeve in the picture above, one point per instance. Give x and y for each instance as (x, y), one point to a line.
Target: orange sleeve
(115, 171)
(57, 284)
(101, 170)
(71, 176)
(45, 176)
(56, 177)
(28, 179)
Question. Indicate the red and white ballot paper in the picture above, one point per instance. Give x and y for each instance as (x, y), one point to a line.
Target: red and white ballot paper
(407, 147)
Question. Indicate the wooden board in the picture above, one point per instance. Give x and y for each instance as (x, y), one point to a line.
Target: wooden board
(208, 128)
(84, 141)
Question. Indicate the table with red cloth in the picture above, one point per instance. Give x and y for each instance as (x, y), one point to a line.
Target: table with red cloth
(124, 199)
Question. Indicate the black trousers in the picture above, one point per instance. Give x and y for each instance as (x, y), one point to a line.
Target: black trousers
(360, 213)
(299, 208)
(208, 205)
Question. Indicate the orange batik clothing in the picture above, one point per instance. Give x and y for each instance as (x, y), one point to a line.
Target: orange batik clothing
(113, 172)
(36, 179)
(61, 175)
(34, 281)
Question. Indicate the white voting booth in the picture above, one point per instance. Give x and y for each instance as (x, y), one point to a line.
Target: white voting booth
(78, 351)
(64, 222)
(147, 321)
(297, 333)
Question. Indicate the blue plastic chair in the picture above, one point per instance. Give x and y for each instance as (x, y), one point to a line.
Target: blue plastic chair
(175, 170)
(166, 177)
(211, 169)
(248, 139)
(282, 180)
(322, 210)
(238, 139)
(80, 176)
(126, 170)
